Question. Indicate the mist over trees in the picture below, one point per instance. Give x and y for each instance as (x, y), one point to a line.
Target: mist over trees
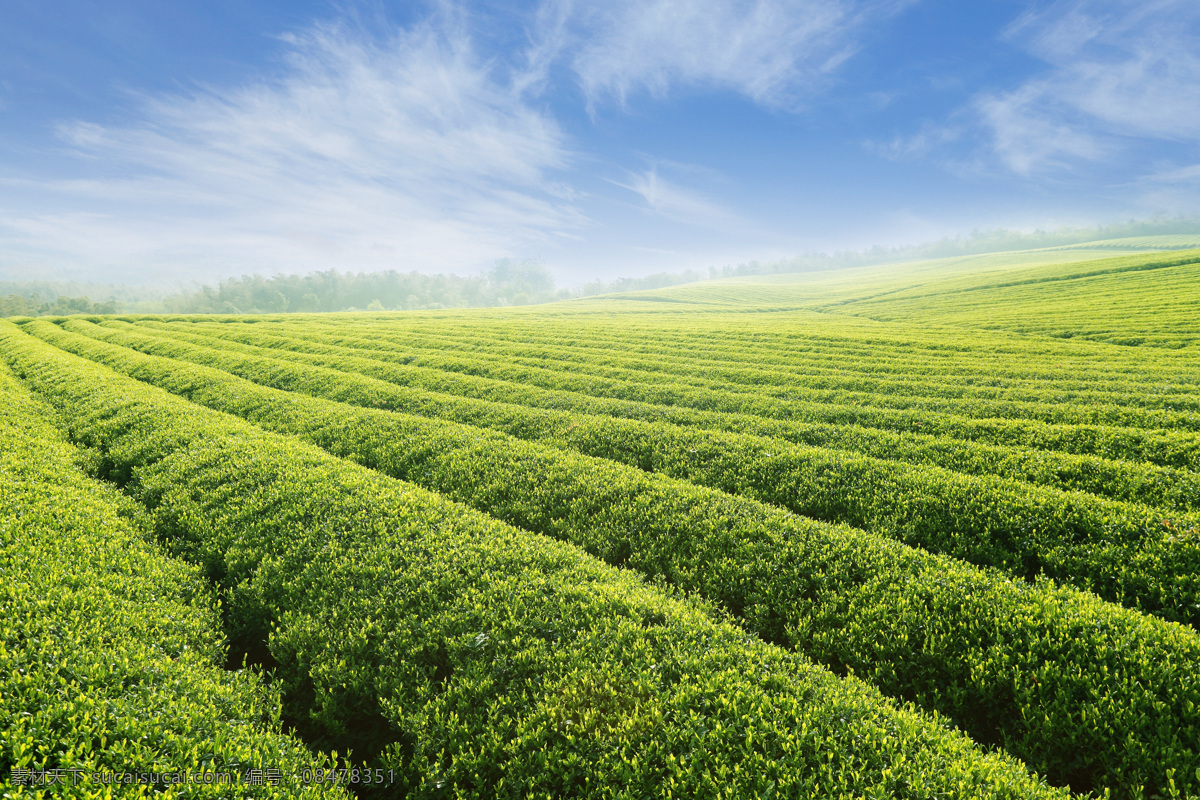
(34, 298)
(513, 282)
(19, 305)
(509, 282)
(1000, 239)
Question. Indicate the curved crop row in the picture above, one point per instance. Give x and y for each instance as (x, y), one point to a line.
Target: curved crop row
(96, 681)
(478, 660)
(854, 355)
(801, 401)
(1177, 449)
(1146, 484)
(1125, 553)
(736, 374)
(1111, 708)
(844, 344)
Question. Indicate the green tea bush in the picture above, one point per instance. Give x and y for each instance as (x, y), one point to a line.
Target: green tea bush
(1125, 553)
(478, 660)
(881, 369)
(1013, 664)
(1173, 448)
(796, 399)
(110, 651)
(1145, 483)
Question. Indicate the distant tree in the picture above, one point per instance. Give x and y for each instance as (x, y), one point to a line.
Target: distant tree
(14, 305)
(520, 282)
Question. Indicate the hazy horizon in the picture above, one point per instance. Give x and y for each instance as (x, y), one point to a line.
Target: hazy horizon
(150, 144)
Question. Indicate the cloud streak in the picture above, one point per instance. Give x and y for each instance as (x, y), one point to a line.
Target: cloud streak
(403, 150)
(669, 201)
(1115, 71)
(775, 52)
(1031, 138)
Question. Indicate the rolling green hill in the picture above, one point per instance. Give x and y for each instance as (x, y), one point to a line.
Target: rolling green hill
(924, 529)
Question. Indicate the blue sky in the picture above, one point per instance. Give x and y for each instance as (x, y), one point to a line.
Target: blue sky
(165, 142)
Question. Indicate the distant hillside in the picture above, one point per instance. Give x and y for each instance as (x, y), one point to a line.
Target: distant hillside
(1135, 299)
(1183, 241)
(511, 282)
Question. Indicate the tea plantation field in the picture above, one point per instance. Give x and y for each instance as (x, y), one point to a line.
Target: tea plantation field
(922, 531)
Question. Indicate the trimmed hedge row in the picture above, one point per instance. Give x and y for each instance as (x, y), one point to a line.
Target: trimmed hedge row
(474, 353)
(1090, 694)
(987, 358)
(826, 405)
(1065, 457)
(110, 650)
(1125, 553)
(479, 660)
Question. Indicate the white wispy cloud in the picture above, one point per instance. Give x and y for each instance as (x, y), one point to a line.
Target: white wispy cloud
(1029, 137)
(1188, 174)
(401, 148)
(1115, 70)
(776, 52)
(676, 203)
(928, 138)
